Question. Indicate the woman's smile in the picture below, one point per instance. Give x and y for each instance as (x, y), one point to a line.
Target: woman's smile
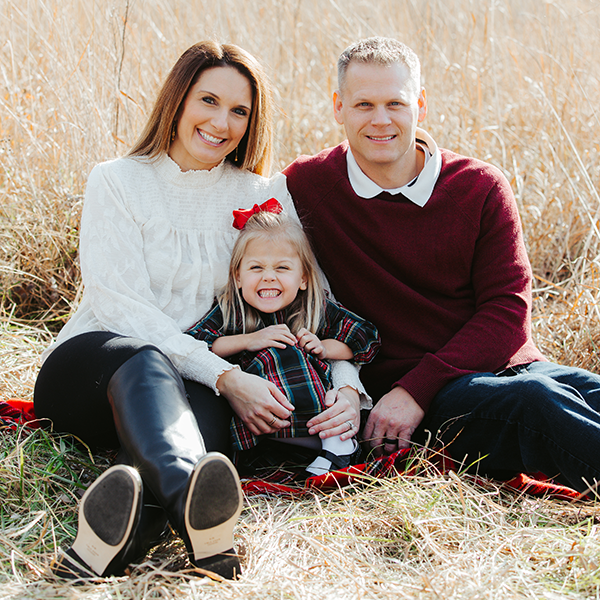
(214, 119)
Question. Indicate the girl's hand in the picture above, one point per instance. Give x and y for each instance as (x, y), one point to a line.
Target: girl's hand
(258, 402)
(311, 343)
(274, 336)
(341, 418)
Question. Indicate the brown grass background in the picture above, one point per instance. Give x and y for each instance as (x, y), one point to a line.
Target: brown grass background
(513, 82)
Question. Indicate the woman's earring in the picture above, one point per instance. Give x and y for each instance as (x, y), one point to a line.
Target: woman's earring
(173, 133)
(235, 158)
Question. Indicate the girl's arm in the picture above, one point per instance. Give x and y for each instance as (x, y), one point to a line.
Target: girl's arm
(210, 330)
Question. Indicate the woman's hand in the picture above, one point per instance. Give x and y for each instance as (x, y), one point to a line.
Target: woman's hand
(341, 418)
(274, 336)
(258, 402)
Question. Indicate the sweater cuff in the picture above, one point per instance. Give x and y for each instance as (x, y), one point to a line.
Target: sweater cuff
(428, 378)
(345, 374)
(204, 367)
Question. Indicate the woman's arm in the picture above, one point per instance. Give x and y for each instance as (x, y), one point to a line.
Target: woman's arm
(118, 286)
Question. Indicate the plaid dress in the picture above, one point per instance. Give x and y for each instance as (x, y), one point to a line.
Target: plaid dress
(301, 376)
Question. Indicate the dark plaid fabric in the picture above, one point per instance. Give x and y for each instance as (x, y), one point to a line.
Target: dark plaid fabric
(302, 377)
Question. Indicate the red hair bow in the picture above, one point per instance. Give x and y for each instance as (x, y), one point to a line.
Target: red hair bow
(241, 216)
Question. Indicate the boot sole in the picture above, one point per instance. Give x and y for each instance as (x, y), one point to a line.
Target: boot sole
(108, 512)
(212, 508)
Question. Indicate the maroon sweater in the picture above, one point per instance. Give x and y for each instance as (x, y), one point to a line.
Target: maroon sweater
(447, 285)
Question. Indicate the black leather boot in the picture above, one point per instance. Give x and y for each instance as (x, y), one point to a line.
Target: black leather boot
(109, 514)
(200, 492)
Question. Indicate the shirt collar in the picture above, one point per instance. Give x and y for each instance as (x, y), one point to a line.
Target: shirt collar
(418, 190)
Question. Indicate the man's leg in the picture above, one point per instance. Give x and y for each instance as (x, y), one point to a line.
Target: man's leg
(539, 418)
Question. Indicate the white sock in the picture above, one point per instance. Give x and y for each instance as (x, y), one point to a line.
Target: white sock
(334, 445)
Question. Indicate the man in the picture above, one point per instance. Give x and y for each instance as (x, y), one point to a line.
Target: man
(428, 246)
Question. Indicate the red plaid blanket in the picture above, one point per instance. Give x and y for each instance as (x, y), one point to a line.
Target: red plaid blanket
(16, 413)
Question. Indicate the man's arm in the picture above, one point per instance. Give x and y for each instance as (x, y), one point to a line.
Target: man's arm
(501, 324)
(499, 328)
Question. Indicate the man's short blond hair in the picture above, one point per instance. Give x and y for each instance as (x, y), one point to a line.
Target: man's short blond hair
(379, 51)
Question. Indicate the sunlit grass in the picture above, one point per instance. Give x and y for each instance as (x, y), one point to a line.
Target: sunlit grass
(514, 82)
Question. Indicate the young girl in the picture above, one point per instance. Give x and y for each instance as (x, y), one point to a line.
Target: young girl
(274, 320)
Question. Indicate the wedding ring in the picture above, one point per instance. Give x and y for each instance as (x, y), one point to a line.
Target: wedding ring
(390, 441)
(350, 425)
(273, 421)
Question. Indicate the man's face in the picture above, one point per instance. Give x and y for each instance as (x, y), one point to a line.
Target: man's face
(380, 107)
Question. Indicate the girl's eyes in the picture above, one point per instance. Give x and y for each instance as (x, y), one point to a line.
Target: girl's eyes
(259, 268)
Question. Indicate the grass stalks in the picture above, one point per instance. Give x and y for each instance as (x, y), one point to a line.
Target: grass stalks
(513, 82)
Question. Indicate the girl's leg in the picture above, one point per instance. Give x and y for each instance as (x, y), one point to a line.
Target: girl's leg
(301, 379)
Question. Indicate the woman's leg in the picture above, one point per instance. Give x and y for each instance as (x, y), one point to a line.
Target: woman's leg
(109, 389)
(213, 414)
(70, 390)
(200, 492)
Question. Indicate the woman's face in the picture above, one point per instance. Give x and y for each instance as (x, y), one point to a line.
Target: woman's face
(215, 116)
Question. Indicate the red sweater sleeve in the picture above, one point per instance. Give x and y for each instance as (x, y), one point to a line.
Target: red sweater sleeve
(448, 285)
(501, 323)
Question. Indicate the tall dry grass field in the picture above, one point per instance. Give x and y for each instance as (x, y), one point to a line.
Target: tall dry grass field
(514, 82)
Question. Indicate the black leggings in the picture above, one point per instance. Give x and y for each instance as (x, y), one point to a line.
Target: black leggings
(71, 387)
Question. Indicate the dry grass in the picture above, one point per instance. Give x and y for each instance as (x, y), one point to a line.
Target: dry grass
(514, 82)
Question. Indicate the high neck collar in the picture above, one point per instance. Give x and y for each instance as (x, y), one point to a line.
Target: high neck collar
(170, 171)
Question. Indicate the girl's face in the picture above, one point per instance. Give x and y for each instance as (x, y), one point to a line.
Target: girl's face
(214, 119)
(270, 274)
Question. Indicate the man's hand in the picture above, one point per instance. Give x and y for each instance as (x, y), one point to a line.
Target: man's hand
(392, 422)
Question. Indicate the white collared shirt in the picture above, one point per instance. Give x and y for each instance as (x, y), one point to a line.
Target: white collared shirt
(418, 190)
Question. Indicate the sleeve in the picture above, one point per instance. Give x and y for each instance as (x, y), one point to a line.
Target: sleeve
(345, 326)
(501, 324)
(209, 328)
(118, 286)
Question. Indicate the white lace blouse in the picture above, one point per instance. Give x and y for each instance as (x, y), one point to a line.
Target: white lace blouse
(155, 246)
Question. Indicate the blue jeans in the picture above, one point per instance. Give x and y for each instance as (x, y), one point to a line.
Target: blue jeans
(540, 417)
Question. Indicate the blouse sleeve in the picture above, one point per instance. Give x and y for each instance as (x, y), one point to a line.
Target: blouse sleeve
(118, 284)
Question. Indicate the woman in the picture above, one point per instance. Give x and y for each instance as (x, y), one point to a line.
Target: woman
(156, 238)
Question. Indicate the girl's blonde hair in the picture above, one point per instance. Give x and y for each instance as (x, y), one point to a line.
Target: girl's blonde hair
(307, 308)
